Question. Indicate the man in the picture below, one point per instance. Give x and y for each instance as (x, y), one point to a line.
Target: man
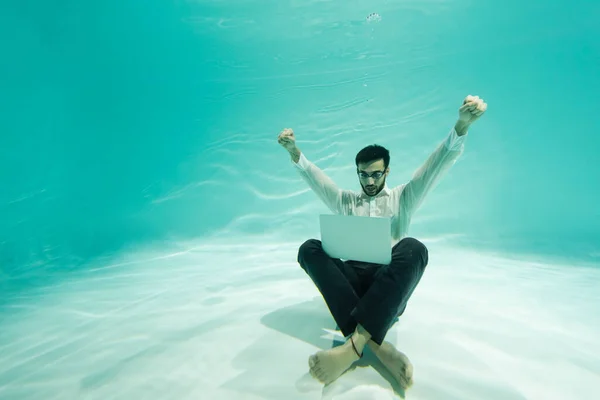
(364, 298)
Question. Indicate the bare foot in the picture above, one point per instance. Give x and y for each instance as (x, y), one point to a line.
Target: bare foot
(396, 362)
(328, 365)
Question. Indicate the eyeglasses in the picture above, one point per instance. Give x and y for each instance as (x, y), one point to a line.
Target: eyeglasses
(375, 175)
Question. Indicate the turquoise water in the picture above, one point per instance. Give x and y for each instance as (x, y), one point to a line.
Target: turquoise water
(131, 131)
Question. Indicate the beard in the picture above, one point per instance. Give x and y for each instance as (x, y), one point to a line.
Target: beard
(373, 190)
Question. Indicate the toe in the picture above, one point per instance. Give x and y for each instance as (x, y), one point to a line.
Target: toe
(315, 370)
(408, 380)
(313, 362)
(321, 376)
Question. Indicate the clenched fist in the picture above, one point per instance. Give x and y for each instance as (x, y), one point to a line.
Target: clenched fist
(473, 107)
(287, 139)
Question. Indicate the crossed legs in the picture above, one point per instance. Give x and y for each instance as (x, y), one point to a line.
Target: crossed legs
(364, 307)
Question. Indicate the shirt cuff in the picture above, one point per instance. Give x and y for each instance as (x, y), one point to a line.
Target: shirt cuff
(455, 142)
(302, 163)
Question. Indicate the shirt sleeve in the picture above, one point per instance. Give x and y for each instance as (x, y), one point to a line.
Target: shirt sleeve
(427, 175)
(321, 184)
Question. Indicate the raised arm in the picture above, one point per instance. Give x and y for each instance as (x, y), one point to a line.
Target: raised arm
(428, 174)
(444, 156)
(317, 180)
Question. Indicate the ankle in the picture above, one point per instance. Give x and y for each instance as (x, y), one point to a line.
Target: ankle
(360, 338)
(359, 341)
(363, 335)
(372, 345)
(357, 349)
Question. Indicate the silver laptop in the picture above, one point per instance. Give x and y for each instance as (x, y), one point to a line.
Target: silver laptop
(366, 239)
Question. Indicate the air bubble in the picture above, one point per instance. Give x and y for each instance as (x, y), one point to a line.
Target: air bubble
(374, 17)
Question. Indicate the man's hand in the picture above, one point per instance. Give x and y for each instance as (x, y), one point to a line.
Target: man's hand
(287, 139)
(473, 107)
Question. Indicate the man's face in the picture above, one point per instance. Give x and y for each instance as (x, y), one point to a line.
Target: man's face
(372, 176)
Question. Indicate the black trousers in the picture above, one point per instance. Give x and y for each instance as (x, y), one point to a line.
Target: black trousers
(372, 295)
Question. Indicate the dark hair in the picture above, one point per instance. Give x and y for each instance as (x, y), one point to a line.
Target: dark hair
(372, 153)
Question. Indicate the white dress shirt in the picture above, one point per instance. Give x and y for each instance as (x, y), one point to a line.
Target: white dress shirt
(400, 202)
